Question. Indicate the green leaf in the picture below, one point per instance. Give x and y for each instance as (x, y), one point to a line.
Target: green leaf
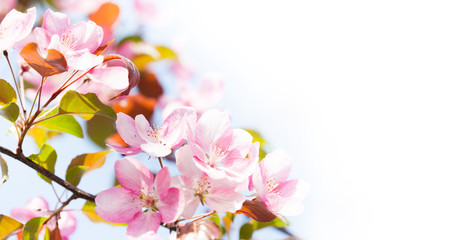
(83, 164)
(45, 158)
(257, 137)
(99, 129)
(278, 223)
(246, 231)
(75, 174)
(7, 93)
(162, 53)
(41, 135)
(10, 111)
(32, 228)
(215, 218)
(62, 123)
(8, 226)
(89, 210)
(4, 167)
(84, 105)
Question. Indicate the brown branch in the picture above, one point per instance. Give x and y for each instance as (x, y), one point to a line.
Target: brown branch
(76, 191)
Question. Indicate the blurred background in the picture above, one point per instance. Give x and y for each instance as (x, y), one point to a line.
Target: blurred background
(372, 99)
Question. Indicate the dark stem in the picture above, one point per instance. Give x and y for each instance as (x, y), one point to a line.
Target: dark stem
(56, 212)
(77, 193)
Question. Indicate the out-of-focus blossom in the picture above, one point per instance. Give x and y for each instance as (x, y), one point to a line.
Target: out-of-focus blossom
(77, 43)
(197, 187)
(105, 81)
(147, 11)
(15, 27)
(222, 152)
(143, 202)
(38, 207)
(79, 6)
(157, 142)
(6, 6)
(203, 97)
(280, 195)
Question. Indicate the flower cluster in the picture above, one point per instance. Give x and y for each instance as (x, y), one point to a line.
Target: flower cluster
(217, 164)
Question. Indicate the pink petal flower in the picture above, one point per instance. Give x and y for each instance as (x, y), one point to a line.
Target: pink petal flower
(77, 43)
(144, 223)
(38, 207)
(220, 151)
(117, 204)
(133, 175)
(155, 142)
(280, 195)
(15, 27)
(144, 202)
(197, 186)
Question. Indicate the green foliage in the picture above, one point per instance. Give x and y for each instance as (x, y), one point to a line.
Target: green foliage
(84, 106)
(163, 53)
(8, 226)
(257, 137)
(4, 168)
(46, 158)
(32, 228)
(11, 111)
(99, 129)
(246, 231)
(41, 136)
(83, 164)
(7, 93)
(62, 123)
(278, 223)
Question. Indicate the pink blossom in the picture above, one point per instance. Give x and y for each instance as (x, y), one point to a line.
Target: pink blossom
(220, 151)
(6, 6)
(201, 97)
(157, 142)
(77, 43)
(280, 195)
(79, 6)
(143, 202)
(38, 207)
(15, 27)
(197, 187)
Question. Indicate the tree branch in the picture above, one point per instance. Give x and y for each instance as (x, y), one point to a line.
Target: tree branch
(76, 191)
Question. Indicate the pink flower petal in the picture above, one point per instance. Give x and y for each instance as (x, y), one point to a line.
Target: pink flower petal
(294, 191)
(241, 141)
(224, 199)
(170, 205)
(117, 205)
(176, 126)
(55, 22)
(276, 164)
(162, 182)
(126, 129)
(16, 26)
(213, 127)
(112, 77)
(144, 129)
(186, 163)
(126, 151)
(185, 184)
(133, 175)
(82, 59)
(67, 223)
(155, 149)
(144, 223)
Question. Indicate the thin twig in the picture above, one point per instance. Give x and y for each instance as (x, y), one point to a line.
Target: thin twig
(76, 191)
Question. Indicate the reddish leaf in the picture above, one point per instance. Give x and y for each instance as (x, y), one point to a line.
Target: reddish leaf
(106, 15)
(135, 105)
(133, 74)
(99, 50)
(203, 229)
(149, 85)
(56, 234)
(256, 210)
(53, 64)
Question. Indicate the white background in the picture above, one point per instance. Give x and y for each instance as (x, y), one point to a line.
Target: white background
(373, 99)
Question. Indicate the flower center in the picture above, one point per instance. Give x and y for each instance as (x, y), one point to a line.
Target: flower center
(202, 188)
(148, 203)
(67, 41)
(272, 186)
(215, 156)
(155, 133)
